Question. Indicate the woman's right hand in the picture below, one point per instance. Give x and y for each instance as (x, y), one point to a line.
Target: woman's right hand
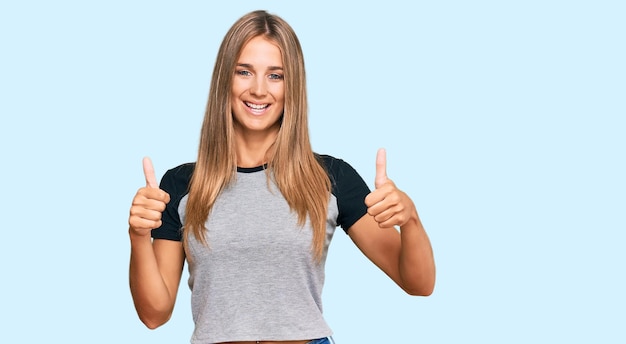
(148, 204)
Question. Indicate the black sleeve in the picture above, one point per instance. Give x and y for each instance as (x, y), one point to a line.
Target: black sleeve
(350, 190)
(176, 183)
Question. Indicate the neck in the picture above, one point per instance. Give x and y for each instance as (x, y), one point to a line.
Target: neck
(254, 150)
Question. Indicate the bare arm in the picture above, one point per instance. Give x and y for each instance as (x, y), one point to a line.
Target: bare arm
(155, 273)
(406, 256)
(155, 267)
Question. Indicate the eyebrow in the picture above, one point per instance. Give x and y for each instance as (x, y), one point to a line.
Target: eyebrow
(249, 66)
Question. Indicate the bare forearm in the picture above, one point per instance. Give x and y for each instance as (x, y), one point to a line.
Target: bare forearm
(417, 265)
(153, 301)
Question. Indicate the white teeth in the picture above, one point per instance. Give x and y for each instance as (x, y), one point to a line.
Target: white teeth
(257, 106)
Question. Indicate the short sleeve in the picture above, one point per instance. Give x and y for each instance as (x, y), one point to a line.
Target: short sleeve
(176, 183)
(350, 190)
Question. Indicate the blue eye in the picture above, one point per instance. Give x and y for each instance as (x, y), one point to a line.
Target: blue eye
(243, 73)
(275, 76)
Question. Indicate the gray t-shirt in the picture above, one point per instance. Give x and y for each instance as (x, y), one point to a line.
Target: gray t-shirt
(258, 279)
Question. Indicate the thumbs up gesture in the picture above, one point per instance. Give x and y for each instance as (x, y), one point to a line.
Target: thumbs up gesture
(387, 204)
(148, 204)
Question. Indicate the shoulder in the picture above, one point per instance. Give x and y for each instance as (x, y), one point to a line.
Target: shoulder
(176, 180)
(185, 169)
(333, 166)
(348, 188)
(340, 172)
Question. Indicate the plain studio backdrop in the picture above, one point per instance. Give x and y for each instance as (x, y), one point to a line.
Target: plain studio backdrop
(504, 120)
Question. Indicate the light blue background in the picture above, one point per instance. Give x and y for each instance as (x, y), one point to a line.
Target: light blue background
(504, 120)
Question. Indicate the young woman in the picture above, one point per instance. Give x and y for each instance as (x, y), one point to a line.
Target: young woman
(254, 215)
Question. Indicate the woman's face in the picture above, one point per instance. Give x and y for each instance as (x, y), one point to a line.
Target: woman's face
(258, 93)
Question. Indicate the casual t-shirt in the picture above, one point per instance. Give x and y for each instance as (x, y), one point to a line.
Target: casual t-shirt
(257, 278)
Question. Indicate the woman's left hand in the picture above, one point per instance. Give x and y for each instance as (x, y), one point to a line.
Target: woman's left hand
(387, 204)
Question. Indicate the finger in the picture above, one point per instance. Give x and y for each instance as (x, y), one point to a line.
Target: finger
(143, 226)
(148, 172)
(381, 168)
(375, 197)
(156, 203)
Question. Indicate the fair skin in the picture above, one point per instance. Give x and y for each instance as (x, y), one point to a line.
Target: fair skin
(257, 100)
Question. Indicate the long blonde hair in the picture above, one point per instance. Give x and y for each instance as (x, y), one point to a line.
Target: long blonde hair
(298, 174)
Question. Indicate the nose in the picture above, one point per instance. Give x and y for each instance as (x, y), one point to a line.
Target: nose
(258, 86)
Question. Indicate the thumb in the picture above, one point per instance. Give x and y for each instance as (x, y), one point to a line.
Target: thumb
(381, 168)
(148, 172)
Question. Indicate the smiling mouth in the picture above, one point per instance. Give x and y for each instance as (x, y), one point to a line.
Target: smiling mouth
(257, 107)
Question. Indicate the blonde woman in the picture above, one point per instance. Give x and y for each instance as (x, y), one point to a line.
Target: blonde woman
(254, 215)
